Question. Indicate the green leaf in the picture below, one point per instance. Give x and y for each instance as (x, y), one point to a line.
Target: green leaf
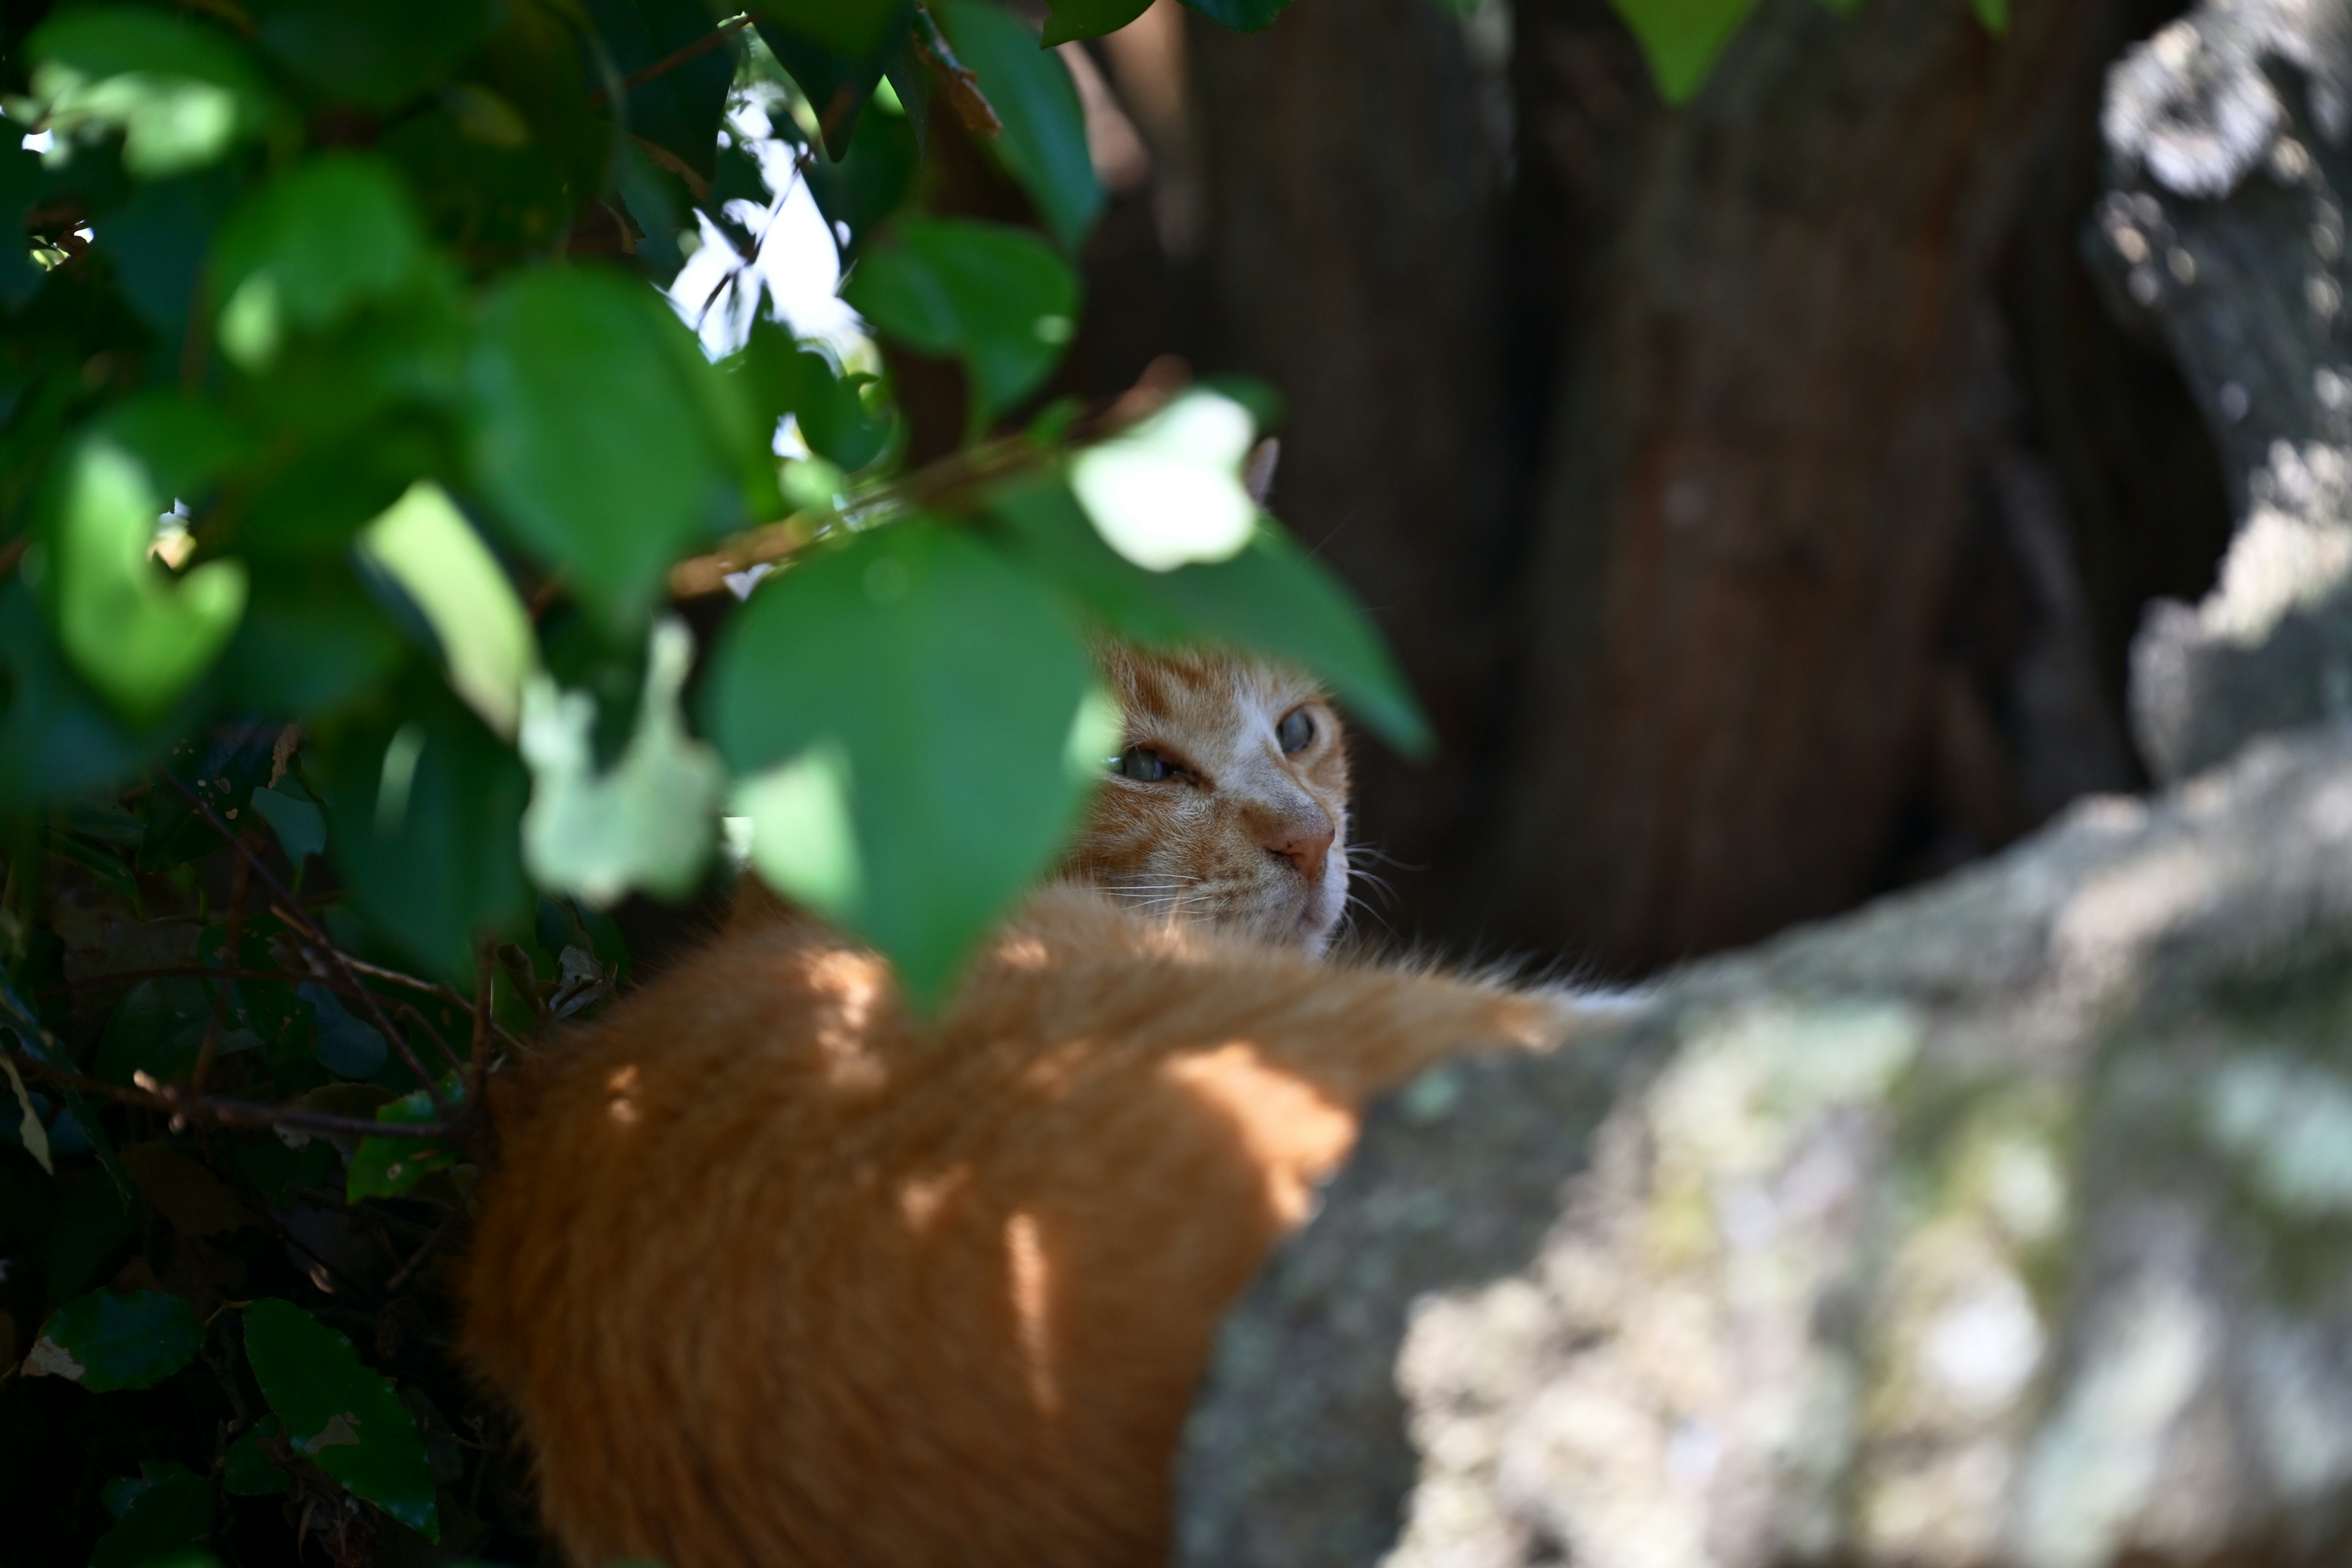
(914, 649)
(780, 377)
(648, 823)
(247, 1470)
(157, 1027)
(57, 738)
(836, 51)
(1272, 599)
(679, 110)
(600, 434)
(1993, 14)
(93, 1221)
(182, 93)
(1169, 490)
(156, 243)
(340, 1413)
(24, 178)
(300, 825)
(344, 1045)
(139, 636)
(1242, 16)
(387, 1167)
(424, 544)
(336, 233)
(1681, 37)
(870, 179)
(997, 297)
(310, 642)
(1073, 20)
(110, 1339)
(1043, 146)
(30, 1130)
(423, 813)
(371, 53)
(166, 1521)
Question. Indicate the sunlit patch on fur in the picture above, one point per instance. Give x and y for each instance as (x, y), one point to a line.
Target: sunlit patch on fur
(850, 985)
(1292, 1134)
(622, 1087)
(1022, 952)
(1025, 1251)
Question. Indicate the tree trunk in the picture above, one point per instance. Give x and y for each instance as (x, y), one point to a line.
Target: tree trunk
(1757, 474)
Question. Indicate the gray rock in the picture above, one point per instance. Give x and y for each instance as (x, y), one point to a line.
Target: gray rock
(2006, 1222)
(2223, 232)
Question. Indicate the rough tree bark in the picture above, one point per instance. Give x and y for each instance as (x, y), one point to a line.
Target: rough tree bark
(1757, 477)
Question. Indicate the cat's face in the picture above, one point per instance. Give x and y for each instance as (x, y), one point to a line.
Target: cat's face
(1228, 801)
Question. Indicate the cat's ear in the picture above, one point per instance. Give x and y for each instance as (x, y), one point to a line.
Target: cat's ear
(1257, 472)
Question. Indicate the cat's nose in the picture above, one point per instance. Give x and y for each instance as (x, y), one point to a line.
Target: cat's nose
(1305, 845)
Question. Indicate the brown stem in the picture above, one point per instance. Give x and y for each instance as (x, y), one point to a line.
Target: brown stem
(179, 1103)
(319, 938)
(676, 58)
(947, 482)
(962, 88)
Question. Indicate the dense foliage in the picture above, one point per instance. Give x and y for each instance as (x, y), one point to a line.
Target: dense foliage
(353, 468)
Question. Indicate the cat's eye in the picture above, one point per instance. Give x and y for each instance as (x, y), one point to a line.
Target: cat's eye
(1297, 728)
(1143, 764)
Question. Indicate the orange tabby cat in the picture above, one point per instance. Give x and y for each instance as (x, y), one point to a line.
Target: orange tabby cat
(781, 1275)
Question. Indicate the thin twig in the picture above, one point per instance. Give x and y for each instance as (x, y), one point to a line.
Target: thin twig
(151, 1095)
(456, 1063)
(424, 1250)
(311, 933)
(676, 58)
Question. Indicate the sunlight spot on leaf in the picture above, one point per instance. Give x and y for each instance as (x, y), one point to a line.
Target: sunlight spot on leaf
(426, 545)
(645, 823)
(803, 839)
(36, 1136)
(1170, 492)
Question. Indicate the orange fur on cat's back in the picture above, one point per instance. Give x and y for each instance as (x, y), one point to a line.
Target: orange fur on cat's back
(778, 1275)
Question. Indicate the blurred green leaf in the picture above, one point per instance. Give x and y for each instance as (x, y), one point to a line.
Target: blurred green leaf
(248, 1470)
(156, 243)
(1993, 14)
(487, 645)
(679, 110)
(181, 91)
(309, 644)
(57, 738)
(1682, 38)
(1272, 598)
(1168, 490)
(371, 53)
(112, 1339)
(1043, 146)
(1089, 18)
(31, 1131)
(341, 1413)
(648, 823)
(1243, 16)
(336, 233)
(598, 434)
(999, 299)
(137, 635)
(23, 178)
(387, 1167)
(166, 1520)
(186, 443)
(424, 807)
(913, 650)
(494, 204)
